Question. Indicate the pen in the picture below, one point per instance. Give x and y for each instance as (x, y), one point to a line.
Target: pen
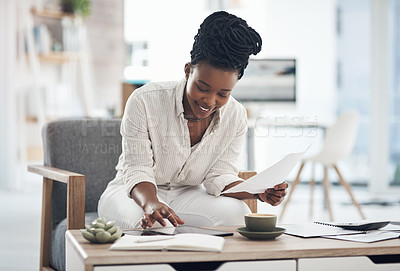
(154, 238)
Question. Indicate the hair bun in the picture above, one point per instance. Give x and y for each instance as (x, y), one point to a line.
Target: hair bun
(226, 41)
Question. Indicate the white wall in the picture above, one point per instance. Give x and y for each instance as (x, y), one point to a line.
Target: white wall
(305, 30)
(104, 29)
(9, 175)
(301, 29)
(169, 28)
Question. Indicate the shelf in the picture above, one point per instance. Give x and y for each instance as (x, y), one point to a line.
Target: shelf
(57, 57)
(52, 14)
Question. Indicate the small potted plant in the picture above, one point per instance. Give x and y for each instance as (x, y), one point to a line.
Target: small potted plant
(77, 7)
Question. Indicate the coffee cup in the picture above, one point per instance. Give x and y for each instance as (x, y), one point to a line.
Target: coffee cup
(260, 222)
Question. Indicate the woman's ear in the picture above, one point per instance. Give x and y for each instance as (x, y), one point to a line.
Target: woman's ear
(187, 70)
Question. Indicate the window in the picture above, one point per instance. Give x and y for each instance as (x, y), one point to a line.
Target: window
(361, 24)
(394, 91)
(353, 60)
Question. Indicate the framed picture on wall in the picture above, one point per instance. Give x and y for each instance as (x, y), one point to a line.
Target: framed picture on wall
(268, 80)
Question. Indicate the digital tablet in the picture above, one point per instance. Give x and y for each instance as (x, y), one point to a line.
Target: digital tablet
(178, 230)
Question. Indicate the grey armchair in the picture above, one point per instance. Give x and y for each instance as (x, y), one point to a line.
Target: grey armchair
(79, 160)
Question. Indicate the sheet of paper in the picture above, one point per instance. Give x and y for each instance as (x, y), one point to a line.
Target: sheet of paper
(273, 175)
(315, 230)
(368, 237)
(391, 227)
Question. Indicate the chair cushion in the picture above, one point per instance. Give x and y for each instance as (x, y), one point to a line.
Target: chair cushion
(57, 257)
(87, 146)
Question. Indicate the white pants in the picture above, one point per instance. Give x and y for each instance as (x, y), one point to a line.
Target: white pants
(191, 203)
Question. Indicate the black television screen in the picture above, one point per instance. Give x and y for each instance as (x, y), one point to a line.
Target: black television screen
(267, 80)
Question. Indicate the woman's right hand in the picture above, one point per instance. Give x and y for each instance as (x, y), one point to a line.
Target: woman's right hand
(157, 211)
(145, 195)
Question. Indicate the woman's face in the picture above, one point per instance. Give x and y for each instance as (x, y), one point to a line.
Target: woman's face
(207, 89)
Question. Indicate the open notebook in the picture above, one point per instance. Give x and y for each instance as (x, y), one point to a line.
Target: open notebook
(183, 242)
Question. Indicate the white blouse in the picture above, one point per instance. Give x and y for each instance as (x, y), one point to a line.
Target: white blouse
(156, 142)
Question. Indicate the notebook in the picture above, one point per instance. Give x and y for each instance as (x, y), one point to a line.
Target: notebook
(357, 226)
(181, 242)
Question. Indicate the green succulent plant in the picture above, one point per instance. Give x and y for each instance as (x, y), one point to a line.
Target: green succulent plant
(79, 7)
(101, 231)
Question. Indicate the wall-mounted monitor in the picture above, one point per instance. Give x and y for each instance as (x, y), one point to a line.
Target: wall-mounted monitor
(267, 80)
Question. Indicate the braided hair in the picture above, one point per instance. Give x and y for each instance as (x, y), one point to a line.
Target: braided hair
(225, 41)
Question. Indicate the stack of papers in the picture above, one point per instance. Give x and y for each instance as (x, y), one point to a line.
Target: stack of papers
(183, 242)
(390, 231)
(367, 237)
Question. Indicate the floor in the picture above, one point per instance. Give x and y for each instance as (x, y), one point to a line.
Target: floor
(20, 227)
(20, 217)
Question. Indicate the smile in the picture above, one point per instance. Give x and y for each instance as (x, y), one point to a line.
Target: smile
(204, 109)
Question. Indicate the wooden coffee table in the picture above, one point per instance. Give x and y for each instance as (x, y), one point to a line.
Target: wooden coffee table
(82, 255)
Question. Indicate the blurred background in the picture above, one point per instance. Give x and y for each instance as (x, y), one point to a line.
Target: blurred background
(319, 60)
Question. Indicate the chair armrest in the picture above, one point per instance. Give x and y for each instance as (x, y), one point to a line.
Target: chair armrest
(75, 194)
(53, 173)
(246, 174)
(252, 203)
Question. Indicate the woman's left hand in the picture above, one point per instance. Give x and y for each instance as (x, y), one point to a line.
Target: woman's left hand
(274, 196)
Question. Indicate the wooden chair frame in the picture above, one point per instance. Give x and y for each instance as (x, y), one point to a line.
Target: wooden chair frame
(252, 203)
(76, 204)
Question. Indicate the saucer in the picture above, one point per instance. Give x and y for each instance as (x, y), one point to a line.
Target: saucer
(260, 235)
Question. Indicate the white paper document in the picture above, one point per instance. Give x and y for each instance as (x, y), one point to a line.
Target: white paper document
(268, 178)
(367, 237)
(315, 230)
(324, 231)
(391, 227)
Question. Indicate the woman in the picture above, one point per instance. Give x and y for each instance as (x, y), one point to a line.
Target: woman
(181, 140)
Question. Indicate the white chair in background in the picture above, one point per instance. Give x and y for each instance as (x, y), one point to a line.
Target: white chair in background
(339, 142)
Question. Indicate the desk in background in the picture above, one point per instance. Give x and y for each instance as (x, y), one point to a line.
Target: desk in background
(267, 123)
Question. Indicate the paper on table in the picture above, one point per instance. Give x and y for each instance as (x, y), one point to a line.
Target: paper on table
(391, 227)
(273, 175)
(315, 230)
(368, 237)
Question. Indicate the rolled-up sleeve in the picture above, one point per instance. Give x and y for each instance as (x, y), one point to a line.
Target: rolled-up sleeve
(138, 163)
(225, 171)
